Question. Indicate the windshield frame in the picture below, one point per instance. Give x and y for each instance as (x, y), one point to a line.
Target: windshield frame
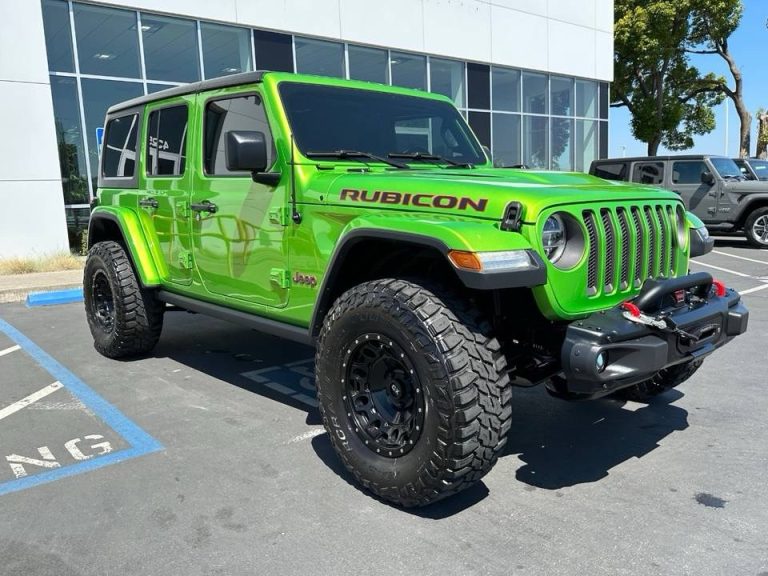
(471, 147)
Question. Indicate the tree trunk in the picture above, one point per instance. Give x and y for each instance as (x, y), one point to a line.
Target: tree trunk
(653, 146)
(737, 95)
(761, 150)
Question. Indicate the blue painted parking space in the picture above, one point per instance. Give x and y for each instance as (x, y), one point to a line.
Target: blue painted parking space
(136, 441)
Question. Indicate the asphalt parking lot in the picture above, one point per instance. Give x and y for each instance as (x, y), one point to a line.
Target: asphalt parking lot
(208, 457)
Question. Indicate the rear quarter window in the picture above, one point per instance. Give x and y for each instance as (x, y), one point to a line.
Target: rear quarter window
(118, 151)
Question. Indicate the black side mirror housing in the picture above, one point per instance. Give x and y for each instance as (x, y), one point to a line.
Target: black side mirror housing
(246, 151)
(707, 178)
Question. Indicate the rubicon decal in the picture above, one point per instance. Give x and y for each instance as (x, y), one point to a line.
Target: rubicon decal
(444, 201)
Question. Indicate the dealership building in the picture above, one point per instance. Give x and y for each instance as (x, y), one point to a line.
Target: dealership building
(531, 77)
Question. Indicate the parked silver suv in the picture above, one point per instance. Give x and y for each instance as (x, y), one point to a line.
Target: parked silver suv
(712, 187)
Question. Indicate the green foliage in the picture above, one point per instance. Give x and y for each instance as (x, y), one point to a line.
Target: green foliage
(670, 99)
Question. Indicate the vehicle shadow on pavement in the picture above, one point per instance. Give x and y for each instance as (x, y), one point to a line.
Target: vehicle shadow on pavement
(566, 443)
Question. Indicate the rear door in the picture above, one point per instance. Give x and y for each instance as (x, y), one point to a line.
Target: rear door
(168, 182)
(699, 197)
(238, 225)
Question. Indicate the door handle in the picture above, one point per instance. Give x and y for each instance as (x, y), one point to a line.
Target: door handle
(149, 203)
(205, 206)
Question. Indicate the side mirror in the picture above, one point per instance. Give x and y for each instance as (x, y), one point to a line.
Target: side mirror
(246, 151)
(707, 178)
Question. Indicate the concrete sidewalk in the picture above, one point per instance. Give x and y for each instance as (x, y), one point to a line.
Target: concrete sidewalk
(15, 287)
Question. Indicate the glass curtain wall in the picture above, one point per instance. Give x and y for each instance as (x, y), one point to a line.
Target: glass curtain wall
(100, 55)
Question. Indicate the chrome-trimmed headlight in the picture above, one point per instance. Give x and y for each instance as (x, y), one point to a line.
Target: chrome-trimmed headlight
(553, 237)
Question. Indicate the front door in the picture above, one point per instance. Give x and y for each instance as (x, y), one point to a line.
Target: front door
(164, 201)
(699, 197)
(238, 225)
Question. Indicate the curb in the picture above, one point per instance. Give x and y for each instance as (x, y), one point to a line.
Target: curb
(55, 297)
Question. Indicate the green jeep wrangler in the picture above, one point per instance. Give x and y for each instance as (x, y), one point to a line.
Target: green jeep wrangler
(368, 222)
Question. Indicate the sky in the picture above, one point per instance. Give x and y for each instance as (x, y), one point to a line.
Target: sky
(749, 46)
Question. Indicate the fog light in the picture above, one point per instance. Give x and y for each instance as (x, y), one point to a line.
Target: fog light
(600, 362)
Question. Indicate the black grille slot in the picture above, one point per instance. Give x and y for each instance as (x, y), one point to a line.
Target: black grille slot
(610, 250)
(624, 266)
(663, 241)
(640, 244)
(592, 263)
(673, 252)
(653, 268)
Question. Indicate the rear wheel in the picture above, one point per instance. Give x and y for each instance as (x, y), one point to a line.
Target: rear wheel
(756, 227)
(413, 390)
(660, 382)
(124, 318)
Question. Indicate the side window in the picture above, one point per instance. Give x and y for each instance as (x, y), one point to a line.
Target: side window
(167, 141)
(119, 148)
(616, 171)
(648, 173)
(688, 172)
(221, 116)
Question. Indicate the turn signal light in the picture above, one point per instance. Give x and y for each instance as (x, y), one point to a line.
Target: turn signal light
(466, 260)
(720, 289)
(631, 308)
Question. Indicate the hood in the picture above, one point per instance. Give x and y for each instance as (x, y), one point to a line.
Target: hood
(478, 193)
(746, 187)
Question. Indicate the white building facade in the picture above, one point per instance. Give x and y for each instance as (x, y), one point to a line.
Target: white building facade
(531, 76)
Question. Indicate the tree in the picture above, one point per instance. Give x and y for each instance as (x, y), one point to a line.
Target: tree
(712, 23)
(761, 150)
(669, 99)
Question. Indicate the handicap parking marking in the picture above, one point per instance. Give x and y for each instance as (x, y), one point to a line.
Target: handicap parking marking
(138, 441)
(34, 397)
(295, 380)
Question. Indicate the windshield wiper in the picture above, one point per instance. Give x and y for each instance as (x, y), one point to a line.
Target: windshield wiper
(429, 158)
(351, 154)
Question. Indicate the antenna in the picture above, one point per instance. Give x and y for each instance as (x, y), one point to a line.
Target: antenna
(295, 216)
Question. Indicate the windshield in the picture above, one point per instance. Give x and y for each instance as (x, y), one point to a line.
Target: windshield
(331, 119)
(726, 168)
(760, 168)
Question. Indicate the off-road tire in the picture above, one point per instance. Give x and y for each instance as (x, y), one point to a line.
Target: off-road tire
(660, 382)
(753, 238)
(461, 369)
(136, 315)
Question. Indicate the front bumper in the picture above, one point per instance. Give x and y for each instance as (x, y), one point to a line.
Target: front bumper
(632, 352)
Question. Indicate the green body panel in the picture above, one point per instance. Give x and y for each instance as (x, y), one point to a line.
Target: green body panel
(246, 255)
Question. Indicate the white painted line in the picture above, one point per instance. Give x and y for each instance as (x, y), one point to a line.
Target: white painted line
(740, 257)
(34, 397)
(755, 289)
(724, 270)
(307, 435)
(9, 350)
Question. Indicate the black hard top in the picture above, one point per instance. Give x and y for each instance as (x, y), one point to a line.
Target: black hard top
(659, 158)
(193, 88)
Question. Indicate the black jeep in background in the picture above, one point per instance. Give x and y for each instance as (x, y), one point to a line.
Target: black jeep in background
(714, 188)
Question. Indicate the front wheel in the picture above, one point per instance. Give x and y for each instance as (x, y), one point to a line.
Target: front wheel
(660, 382)
(756, 228)
(413, 390)
(124, 318)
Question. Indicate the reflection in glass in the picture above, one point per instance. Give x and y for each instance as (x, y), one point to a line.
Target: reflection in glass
(478, 86)
(506, 140)
(586, 144)
(66, 113)
(77, 225)
(562, 96)
(170, 48)
(98, 95)
(409, 70)
(226, 50)
(58, 36)
(586, 98)
(506, 89)
(447, 78)
(319, 57)
(107, 41)
(561, 143)
(274, 51)
(535, 93)
(535, 141)
(368, 64)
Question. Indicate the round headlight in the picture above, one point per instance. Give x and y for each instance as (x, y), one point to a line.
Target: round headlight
(553, 237)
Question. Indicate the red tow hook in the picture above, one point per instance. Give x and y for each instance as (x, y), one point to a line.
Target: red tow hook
(720, 289)
(631, 308)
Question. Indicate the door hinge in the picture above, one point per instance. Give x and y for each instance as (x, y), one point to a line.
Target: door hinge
(280, 277)
(182, 209)
(185, 259)
(281, 216)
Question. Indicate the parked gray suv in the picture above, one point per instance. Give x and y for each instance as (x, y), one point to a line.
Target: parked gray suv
(712, 187)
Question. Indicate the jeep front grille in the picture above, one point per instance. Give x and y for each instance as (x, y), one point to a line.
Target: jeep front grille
(628, 246)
